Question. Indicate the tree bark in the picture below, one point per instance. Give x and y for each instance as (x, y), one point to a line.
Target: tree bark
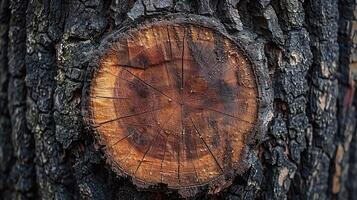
(305, 51)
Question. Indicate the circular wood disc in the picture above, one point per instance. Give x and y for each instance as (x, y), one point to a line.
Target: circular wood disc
(173, 103)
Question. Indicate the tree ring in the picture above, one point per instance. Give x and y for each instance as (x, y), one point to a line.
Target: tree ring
(174, 102)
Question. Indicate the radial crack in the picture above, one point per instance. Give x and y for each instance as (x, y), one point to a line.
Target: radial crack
(223, 113)
(206, 144)
(152, 142)
(143, 82)
(150, 85)
(132, 115)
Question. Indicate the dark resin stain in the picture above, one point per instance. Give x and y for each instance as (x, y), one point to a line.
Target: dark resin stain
(140, 89)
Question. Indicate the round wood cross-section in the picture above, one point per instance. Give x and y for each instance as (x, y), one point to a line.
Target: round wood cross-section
(174, 103)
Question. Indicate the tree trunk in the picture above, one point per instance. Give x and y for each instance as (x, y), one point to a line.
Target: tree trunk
(305, 55)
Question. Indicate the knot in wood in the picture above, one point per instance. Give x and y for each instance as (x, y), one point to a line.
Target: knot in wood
(173, 103)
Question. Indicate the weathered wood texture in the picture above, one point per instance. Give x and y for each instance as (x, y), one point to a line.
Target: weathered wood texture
(175, 104)
(304, 53)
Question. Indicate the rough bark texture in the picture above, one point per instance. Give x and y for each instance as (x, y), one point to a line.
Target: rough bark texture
(306, 53)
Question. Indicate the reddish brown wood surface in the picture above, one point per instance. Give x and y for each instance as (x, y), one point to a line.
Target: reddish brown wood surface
(174, 104)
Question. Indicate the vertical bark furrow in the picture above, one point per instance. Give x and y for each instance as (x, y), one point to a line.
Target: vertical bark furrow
(6, 152)
(43, 31)
(350, 183)
(73, 56)
(291, 85)
(288, 57)
(229, 15)
(322, 17)
(344, 176)
(277, 31)
(23, 171)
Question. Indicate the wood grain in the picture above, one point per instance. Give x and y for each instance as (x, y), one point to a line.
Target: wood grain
(174, 104)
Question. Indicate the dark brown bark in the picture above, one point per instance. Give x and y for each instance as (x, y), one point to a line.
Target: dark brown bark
(305, 53)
